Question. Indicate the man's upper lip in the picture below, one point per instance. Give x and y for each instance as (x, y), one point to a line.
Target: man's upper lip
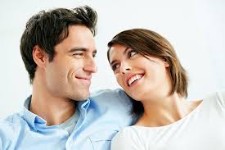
(84, 77)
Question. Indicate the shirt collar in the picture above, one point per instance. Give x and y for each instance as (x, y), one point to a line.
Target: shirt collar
(33, 120)
(83, 107)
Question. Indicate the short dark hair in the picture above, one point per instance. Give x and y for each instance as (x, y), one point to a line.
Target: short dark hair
(150, 43)
(48, 28)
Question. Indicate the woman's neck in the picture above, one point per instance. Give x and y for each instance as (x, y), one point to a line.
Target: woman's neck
(165, 111)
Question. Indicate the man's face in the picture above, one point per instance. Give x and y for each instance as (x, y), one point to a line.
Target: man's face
(69, 74)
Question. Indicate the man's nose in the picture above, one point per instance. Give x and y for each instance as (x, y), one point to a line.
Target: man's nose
(90, 65)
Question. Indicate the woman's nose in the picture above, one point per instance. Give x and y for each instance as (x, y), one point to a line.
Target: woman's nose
(125, 68)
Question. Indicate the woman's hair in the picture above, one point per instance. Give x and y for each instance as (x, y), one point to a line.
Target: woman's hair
(150, 43)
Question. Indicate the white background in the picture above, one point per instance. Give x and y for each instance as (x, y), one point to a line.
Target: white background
(196, 29)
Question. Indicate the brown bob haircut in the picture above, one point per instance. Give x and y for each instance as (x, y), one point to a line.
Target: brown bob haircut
(150, 43)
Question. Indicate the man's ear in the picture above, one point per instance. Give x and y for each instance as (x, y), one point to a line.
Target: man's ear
(39, 56)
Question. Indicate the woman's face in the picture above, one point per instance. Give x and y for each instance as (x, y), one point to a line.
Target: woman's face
(139, 76)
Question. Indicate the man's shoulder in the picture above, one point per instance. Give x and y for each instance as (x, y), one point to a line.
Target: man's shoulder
(107, 92)
(11, 122)
(10, 119)
(110, 96)
(9, 126)
(113, 103)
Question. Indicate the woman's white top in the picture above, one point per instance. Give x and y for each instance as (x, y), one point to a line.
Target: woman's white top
(202, 129)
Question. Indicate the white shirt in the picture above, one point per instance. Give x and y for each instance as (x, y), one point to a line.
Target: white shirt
(202, 129)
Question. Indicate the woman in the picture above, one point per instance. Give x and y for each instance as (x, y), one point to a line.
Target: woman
(148, 69)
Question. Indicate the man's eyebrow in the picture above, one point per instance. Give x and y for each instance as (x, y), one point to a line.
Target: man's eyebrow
(77, 49)
(81, 49)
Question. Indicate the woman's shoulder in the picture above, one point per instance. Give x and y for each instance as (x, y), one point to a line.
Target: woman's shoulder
(220, 96)
(217, 97)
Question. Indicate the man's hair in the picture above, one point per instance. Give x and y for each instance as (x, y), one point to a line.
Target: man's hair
(150, 43)
(48, 28)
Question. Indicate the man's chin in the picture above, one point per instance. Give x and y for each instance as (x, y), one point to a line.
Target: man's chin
(82, 97)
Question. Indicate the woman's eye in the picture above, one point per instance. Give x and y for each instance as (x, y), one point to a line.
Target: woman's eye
(115, 67)
(131, 53)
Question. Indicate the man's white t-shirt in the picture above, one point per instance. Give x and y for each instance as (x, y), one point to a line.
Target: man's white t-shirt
(202, 129)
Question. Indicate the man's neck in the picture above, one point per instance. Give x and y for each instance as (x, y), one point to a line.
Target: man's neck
(52, 107)
(54, 111)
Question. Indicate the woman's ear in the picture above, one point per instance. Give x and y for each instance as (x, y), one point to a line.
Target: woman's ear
(39, 56)
(166, 62)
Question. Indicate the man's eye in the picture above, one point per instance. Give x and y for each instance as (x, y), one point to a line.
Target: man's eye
(78, 54)
(94, 55)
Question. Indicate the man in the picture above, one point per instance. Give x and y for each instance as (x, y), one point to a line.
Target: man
(58, 51)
